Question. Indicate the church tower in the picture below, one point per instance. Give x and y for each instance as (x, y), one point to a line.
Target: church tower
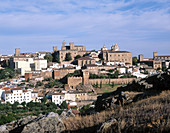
(104, 48)
(115, 47)
(63, 45)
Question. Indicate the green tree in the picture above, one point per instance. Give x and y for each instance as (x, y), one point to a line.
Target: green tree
(44, 100)
(77, 57)
(56, 57)
(23, 104)
(68, 57)
(7, 73)
(86, 54)
(158, 68)
(28, 80)
(100, 84)
(135, 60)
(64, 105)
(48, 57)
(111, 70)
(116, 74)
(39, 83)
(14, 106)
(163, 69)
(101, 57)
(113, 84)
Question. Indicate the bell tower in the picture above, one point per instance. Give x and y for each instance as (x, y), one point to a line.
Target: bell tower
(115, 47)
(63, 45)
(85, 77)
(17, 52)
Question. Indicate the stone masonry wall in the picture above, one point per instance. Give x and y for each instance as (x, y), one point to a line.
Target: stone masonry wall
(109, 81)
(74, 81)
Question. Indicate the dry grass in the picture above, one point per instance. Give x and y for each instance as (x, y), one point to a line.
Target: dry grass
(148, 115)
(80, 122)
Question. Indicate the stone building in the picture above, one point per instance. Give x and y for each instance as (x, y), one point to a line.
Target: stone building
(73, 49)
(17, 52)
(155, 62)
(164, 59)
(114, 55)
(85, 60)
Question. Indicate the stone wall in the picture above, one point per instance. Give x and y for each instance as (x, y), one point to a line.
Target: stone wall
(47, 74)
(58, 74)
(74, 81)
(109, 81)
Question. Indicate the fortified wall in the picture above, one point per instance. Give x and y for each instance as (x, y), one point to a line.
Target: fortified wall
(46, 74)
(74, 81)
(109, 81)
(58, 74)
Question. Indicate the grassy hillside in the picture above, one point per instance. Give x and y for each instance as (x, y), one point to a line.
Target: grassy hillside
(147, 115)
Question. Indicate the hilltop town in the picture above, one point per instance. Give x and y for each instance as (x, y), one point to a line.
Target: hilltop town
(72, 77)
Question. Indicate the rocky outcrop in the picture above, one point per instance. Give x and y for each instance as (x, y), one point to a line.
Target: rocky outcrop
(49, 123)
(65, 115)
(110, 126)
(140, 89)
(33, 124)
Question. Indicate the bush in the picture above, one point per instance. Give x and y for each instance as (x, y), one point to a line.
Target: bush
(64, 105)
(77, 57)
(48, 57)
(68, 57)
(7, 73)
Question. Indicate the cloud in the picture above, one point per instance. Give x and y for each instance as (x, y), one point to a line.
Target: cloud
(130, 23)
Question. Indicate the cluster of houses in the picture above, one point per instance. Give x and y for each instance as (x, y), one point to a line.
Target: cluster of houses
(12, 95)
(34, 66)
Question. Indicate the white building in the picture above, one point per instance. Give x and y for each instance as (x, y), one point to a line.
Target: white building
(16, 95)
(137, 73)
(58, 98)
(70, 97)
(129, 70)
(34, 96)
(41, 55)
(121, 70)
(40, 64)
(27, 64)
(2, 90)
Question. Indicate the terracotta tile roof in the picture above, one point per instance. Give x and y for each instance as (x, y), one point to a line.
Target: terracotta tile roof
(85, 58)
(25, 91)
(6, 88)
(8, 92)
(58, 94)
(16, 89)
(110, 51)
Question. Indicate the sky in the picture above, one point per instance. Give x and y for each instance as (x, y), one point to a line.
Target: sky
(138, 26)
